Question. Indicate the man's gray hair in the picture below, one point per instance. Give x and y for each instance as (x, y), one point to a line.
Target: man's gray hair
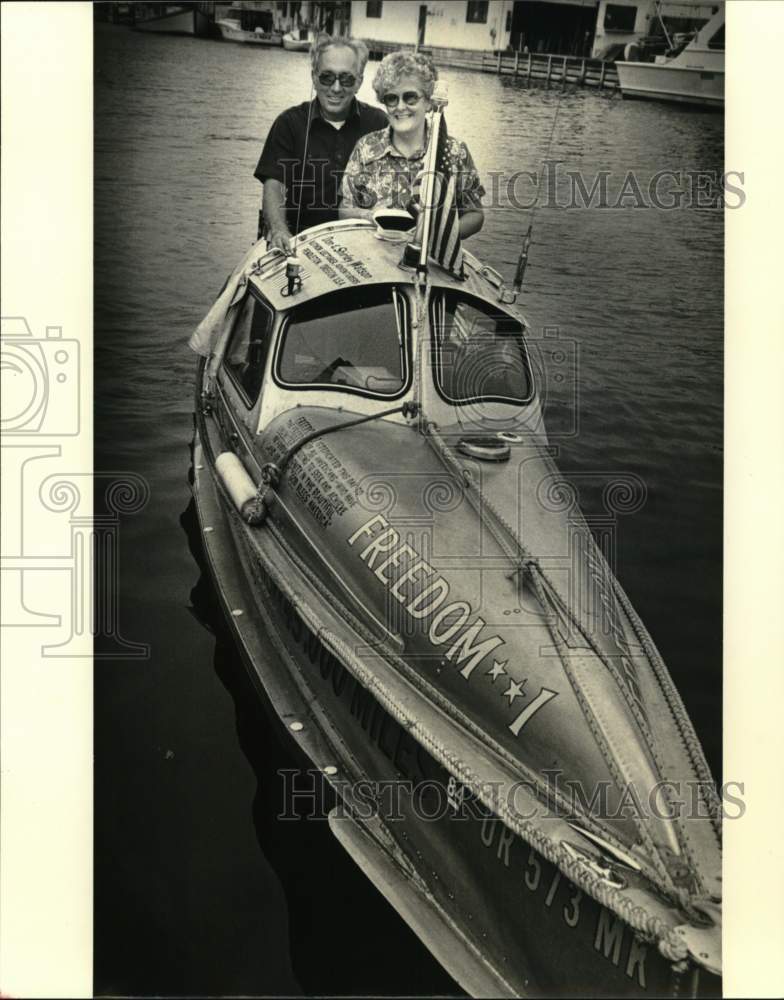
(324, 42)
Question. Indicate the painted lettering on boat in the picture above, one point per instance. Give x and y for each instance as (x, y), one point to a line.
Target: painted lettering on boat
(610, 937)
(323, 484)
(414, 583)
(336, 262)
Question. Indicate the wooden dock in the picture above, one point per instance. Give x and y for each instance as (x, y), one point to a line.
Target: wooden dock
(535, 69)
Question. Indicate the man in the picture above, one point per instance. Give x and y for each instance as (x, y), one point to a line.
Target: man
(295, 199)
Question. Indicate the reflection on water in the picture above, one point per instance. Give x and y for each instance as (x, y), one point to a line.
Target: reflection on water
(198, 888)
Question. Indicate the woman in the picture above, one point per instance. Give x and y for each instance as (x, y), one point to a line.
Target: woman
(384, 165)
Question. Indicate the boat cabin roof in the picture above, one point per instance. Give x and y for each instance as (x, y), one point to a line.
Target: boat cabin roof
(339, 255)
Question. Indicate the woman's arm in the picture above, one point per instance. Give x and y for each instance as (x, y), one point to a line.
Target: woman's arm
(353, 194)
(352, 212)
(471, 221)
(469, 193)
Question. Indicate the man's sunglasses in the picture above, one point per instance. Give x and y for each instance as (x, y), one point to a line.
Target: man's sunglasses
(327, 79)
(410, 98)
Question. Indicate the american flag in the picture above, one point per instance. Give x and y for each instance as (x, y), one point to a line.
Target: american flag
(444, 244)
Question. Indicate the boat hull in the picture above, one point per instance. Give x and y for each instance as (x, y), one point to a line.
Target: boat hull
(500, 917)
(230, 33)
(183, 22)
(676, 84)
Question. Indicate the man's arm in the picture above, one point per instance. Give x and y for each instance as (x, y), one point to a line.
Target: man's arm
(278, 150)
(278, 234)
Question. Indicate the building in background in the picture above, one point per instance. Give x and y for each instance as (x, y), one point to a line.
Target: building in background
(548, 26)
(476, 25)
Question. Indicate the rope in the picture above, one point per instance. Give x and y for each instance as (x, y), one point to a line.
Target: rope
(527, 562)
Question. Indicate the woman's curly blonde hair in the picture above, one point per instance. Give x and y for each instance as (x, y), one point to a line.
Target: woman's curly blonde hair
(399, 64)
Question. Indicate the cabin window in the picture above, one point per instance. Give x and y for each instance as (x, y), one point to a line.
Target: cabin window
(248, 347)
(618, 17)
(352, 341)
(480, 353)
(476, 12)
(373, 8)
(717, 41)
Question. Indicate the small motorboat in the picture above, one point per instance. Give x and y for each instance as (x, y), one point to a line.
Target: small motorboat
(236, 27)
(297, 40)
(691, 72)
(515, 769)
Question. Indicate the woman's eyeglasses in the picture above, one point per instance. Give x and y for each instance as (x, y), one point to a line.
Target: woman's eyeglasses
(410, 98)
(327, 79)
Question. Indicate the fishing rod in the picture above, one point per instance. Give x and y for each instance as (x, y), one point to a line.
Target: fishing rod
(522, 260)
(293, 263)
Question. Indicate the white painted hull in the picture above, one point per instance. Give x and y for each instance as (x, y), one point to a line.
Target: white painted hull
(694, 85)
(295, 45)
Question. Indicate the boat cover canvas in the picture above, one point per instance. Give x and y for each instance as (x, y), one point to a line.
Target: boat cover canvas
(207, 333)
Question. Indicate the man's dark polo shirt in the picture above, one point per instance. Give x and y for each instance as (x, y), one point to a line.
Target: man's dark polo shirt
(328, 151)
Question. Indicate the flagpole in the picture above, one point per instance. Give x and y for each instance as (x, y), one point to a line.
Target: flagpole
(439, 100)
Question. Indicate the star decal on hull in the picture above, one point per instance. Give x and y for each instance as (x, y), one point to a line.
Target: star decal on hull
(514, 690)
(498, 670)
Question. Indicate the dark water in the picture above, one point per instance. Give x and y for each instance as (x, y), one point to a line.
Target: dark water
(199, 889)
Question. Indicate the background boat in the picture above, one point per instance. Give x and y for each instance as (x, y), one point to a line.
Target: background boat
(692, 75)
(253, 27)
(171, 19)
(296, 40)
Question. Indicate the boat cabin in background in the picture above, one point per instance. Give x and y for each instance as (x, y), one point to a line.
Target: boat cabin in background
(642, 22)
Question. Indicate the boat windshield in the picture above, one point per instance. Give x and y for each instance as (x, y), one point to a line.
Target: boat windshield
(479, 352)
(353, 341)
